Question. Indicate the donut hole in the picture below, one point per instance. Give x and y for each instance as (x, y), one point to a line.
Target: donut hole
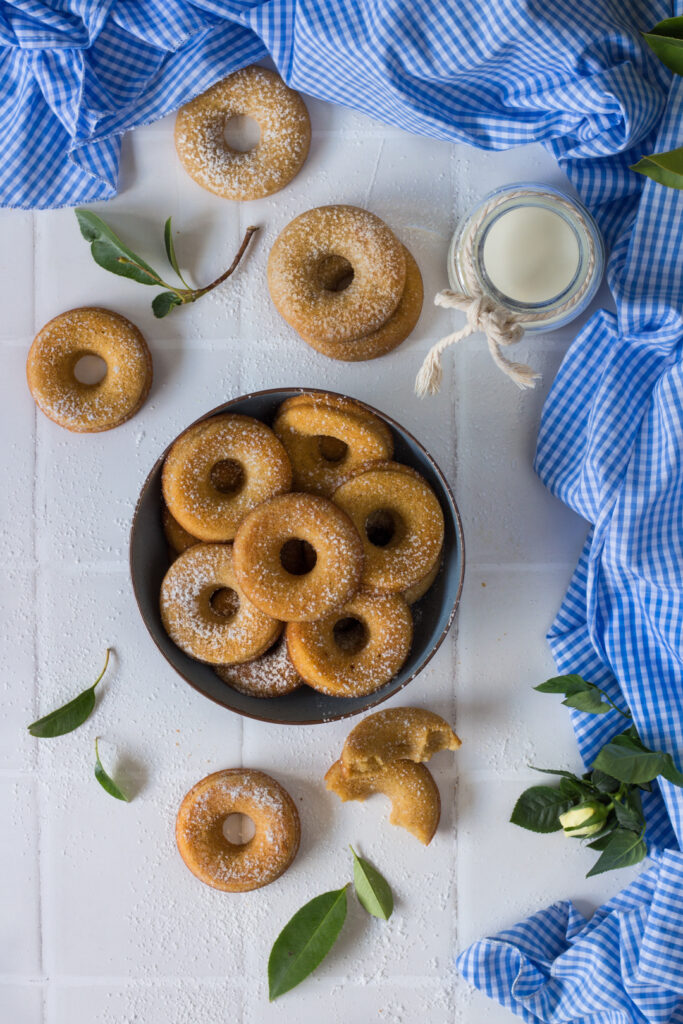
(335, 273)
(381, 527)
(350, 635)
(225, 602)
(238, 829)
(90, 369)
(227, 476)
(331, 449)
(242, 133)
(297, 557)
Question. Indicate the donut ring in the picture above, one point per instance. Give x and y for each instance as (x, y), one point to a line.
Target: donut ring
(271, 675)
(228, 866)
(62, 342)
(394, 505)
(178, 539)
(308, 592)
(418, 590)
(374, 253)
(195, 625)
(396, 734)
(189, 484)
(309, 430)
(281, 115)
(336, 657)
(387, 337)
(344, 404)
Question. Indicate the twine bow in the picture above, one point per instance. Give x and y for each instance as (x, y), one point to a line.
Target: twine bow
(501, 327)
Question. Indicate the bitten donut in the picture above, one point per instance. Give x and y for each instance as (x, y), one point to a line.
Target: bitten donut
(376, 258)
(228, 866)
(277, 157)
(178, 539)
(58, 347)
(298, 557)
(356, 650)
(396, 734)
(220, 469)
(387, 337)
(230, 631)
(327, 442)
(400, 521)
(271, 675)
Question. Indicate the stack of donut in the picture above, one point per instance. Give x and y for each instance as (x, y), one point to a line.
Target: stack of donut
(298, 550)
(342, 279)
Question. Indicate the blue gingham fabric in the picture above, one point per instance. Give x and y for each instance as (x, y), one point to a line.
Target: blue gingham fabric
(573, 74)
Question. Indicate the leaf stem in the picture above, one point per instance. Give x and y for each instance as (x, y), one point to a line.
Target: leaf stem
(106, 662)
(198, 292)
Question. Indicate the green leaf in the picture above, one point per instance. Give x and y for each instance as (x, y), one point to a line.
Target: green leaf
(305, 941)
(105, 781)
(372, 889)
(623, 849)
(669, 770)
(604, 783)
(170, 250)
(629, 761)
(568, 685)
(110, 252)
(553, 771)
(575, 787)
(666, 39)
(601, 842)
(628, 817)
(589, 701)
(163, 303)
(539, 809)
(664, 168)
(69, 716)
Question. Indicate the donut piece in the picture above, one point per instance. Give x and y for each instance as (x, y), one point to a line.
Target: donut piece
(387, 337)
(58, 347)
(376, 258)
(396, 734)
(277, 157)
(400, 522)
(228, 866)
(220, 469)
(415, 801)
(230, 631)
(356, 650)
(298, 557)
(178, 539)
(271, 675)
(326, 443)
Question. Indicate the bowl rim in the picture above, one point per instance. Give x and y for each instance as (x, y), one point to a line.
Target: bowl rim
(223, 407)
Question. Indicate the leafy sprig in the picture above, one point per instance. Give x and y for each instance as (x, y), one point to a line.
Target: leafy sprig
(69, 716)
(666, 40)
(604, 804)
(113, 255)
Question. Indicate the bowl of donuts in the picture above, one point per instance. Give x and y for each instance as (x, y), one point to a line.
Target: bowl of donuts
(297, 556)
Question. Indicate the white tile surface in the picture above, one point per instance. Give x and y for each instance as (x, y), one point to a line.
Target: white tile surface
(104, 925)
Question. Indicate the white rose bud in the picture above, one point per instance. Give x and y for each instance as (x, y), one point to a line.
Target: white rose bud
(573, 820)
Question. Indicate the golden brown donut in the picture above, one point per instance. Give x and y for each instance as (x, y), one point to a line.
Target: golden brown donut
(207, 506)
(415, 801)
(379, 273)
(193, 620)
(396, 734)
(418, 590)
(390, 335)
(52, 359)
(271, 675)
(178, 539)
(280, 533)
(344, 404)
(356, 650)
(327, 443)
(277, 157)
(400, 521)
(232, 867)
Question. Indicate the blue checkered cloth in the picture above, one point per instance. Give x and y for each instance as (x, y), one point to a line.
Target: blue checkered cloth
(573, 74)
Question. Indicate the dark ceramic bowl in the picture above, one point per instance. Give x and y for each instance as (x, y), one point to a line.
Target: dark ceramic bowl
(433, 614)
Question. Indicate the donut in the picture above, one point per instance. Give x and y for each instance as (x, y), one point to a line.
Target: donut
(396, 734)
(178, 539)
(277, 157)
(58, 347)
(228, 866)
(220, 469)
(218, 633)
(400, 522)
(387, 337)
(376, 258)
(271, 675)
(415, 801)
(298, 557)
(356, 650)
(327, 443)
(344, 404)
(418, 590)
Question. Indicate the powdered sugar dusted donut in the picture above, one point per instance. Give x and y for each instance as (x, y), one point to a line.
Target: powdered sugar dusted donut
(229, 866)
(376, 258)
(271, 675)
(280, 152)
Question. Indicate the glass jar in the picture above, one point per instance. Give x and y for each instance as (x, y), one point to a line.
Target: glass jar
(534, 250)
